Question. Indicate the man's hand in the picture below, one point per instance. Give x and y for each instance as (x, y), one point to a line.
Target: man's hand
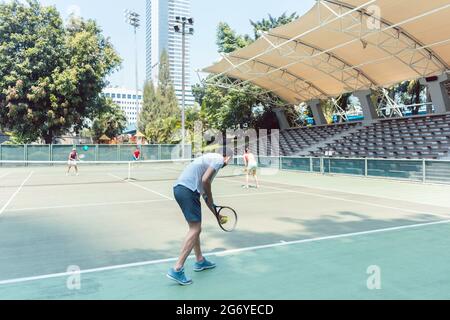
(210, 204)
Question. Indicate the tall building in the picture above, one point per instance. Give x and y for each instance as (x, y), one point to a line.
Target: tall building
(127, 101)
(160, 35)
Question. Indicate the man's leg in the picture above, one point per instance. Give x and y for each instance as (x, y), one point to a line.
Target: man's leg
(192, 239)
(198, 251)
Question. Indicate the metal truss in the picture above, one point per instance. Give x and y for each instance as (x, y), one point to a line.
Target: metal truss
(390, 38)
(338, 110)
(388, 104)
(228, 83)
(412, 59)
(352, 78)
(299, 36)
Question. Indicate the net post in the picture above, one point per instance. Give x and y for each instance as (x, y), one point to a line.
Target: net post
(129, 171)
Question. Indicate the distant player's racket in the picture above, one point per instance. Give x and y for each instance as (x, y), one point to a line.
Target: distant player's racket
(82, 156)
(227, 218)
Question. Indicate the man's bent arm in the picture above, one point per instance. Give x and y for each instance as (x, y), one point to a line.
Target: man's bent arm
(207, 183)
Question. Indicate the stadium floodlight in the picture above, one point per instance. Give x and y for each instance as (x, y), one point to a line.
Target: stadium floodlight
(133, 19)
(180, 27)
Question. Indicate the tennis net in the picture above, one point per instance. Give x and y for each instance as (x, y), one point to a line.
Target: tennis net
(43, 173)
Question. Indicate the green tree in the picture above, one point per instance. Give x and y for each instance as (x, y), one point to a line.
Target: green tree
(228, 40)
(51, 76)
(150, 108)
(272, 23)
(160, 112)
(416, 94)
(246, 107)
(111, 120)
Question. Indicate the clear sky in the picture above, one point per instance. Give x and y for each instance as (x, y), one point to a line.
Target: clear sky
(207, 14)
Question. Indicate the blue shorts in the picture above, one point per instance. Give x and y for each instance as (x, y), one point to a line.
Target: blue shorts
(189, 202)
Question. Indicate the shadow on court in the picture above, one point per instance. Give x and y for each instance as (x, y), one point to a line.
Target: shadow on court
(293, 242)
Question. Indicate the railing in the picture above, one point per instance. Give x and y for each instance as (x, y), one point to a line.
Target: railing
(91, 152)
(426, 171)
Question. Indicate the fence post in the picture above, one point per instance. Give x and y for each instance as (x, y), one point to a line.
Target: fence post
(25, 152)
(366, 167)
(159, 152)
(311, 164)
(322, 169)
(1, 152)
(118, 152)
(96, 152)
(424, 171)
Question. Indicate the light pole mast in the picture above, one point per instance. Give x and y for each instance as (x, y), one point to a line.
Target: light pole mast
(133, 18)
(180, 27)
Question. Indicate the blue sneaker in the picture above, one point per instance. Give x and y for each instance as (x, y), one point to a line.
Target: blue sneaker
(204, 265)
(179, 277)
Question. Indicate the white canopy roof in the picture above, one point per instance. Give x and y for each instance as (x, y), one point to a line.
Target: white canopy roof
(346, 46)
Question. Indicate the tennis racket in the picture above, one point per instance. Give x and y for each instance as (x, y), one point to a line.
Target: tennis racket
(227, 218)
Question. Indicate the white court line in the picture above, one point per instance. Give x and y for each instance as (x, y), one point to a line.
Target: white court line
(4, 175)
(141, 187)
(15, 193)
(134, 202)
(101, 204)
(351, 201)
(223, 253)
(359, 193)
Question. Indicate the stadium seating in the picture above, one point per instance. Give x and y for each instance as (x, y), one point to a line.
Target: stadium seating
(419, 137)
(293, 141)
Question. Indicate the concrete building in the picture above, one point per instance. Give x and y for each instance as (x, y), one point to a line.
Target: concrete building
(160, 35)
(128, 102)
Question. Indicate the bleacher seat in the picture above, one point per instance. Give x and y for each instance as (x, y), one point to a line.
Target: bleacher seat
(417, 137)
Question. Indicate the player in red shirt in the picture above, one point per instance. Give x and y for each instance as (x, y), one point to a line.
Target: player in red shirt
(137, 155)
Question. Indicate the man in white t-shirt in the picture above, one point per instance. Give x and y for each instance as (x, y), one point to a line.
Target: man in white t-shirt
(194, 182)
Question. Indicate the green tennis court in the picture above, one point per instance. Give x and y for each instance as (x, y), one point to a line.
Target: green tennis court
(300, 236)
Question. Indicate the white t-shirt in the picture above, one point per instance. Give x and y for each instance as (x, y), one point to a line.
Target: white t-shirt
(192, 176)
